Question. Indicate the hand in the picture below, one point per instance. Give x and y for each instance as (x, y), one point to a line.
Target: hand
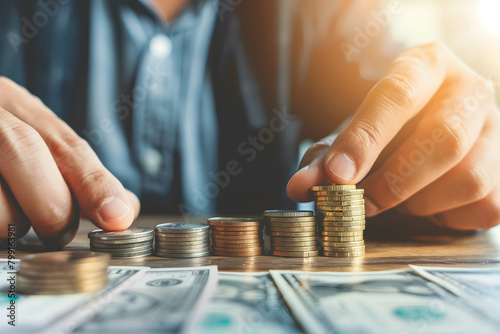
(48, 174)
(424, 140)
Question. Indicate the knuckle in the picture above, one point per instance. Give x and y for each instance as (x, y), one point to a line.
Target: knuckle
(489, 214)
(17, 140)
(69, 144)
(398, 90)
(93, 179)
(54, 218)
(366, 134)
(476, 183)
(454, 141)
(5, 83)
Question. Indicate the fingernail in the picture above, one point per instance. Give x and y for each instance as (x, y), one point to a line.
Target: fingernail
(370, 208)
(342, 166)
(113, 208)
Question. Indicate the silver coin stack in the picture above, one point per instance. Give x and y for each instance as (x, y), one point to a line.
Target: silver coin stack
(131, 243)
(182, 240)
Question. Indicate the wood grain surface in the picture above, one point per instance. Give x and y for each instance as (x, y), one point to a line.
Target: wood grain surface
(392, 242)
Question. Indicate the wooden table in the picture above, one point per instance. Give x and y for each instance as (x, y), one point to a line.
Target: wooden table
(392, 242)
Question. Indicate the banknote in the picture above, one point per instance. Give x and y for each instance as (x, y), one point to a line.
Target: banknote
(479, 286)
(247, 303)
(398, 301)
(168, 300)
(55, 314)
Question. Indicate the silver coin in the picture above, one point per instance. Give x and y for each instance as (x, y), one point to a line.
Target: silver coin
(174, 228)
(123, 241)
(122, 250)
(181, 234)
(179, 247)
(127, 245)
(173, 255)
(130, 233)
(183, 251)
(287, 213)
(132, 254)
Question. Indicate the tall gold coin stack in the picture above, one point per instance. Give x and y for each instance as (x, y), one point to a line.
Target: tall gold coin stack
(293, 233)
(182, 240)
(131, 243)
(340, 210)
(66, 272)
(236, 236)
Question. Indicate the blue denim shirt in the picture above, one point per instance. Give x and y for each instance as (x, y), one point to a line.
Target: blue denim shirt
(170, 109)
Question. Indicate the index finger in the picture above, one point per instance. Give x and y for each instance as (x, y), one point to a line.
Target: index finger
(410, 83)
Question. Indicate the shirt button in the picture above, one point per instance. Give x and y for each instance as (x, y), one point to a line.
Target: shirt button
(160, 46)
(152, 161)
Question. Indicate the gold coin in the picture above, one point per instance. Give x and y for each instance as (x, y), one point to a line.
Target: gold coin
(341, 239)
(296, 254)
(293, 229)
(287, 213)
(294, 244)
(332, 193)
(293, 234)
(237, 229)
(233, 222)
(294, 248)
(288, 224)
(292, 220)
(341, 234)
(216, 232)
(345, 244)
(342, 228)
(333, 187)
(345, 249)
(342, 213)
(341, 203)
(60, 289)
(231, 254)
(340, 208)
(344, 223)
(344, 254)
(294, 239)
(338, 198)
(341, 219)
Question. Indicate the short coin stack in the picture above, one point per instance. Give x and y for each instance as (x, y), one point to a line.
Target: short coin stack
(293, 233)
(236, 236)
(66, 272)
(340, 211)
(182, 240)
(131, 243)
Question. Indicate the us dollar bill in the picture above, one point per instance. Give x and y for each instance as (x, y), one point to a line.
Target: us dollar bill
(247, 303)
(168, 300)
(56, 314)
(480, 287)
(397, 301)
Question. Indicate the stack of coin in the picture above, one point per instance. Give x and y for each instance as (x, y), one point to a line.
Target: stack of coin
(236, 236)
(293, 233)
(182, 240)
(340, 211)
(59, 273)
(131, 243)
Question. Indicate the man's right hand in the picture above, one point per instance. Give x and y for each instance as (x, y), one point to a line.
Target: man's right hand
(48, 174)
